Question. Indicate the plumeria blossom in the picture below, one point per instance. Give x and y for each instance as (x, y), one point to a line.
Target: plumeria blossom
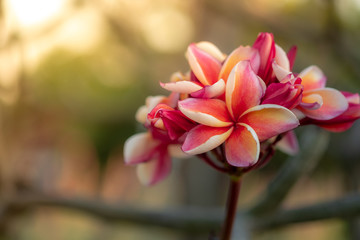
(210, 70)
(320, 102)
(239, 121)
(287, 93)
(238, 108)
(150, 154)
(265, 44)
(273, 59)
(326, 107)
(205, 61)
(151, 151)
(345, 120)
(244, 103)
(317, 102)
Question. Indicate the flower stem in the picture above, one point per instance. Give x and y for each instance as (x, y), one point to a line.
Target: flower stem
(231, 206)
(208, 161)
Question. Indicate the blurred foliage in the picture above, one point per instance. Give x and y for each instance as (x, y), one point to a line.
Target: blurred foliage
(87, 89)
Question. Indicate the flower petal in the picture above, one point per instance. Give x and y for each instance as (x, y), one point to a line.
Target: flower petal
(156, 111)
(182, 86)
(342, 122)
(242, 148)
(280, 72)
(152, 101)
(156, 169)
(266, 46)
(179, 76)
(299, 115)
(281, 64)
(292, 55)
(269, 120)
(281, 58)
(312, 78)
(202, 138)
(139, 148)
(210, 112)
(205, 67)
(312, 101)
(212, 91)
(284, 94)
(173, 99)
(352, 97)
(176, 123)
(334, 104)
(212, 50)
(240, 54)
(243, 89)
(176, 151)
(289, 143)
(141, 114)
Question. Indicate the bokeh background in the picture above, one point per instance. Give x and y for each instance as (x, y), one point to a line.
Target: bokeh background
(74, 72)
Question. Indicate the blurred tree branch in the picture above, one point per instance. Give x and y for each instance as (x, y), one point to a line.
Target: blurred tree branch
(184, 219)
(346, 207)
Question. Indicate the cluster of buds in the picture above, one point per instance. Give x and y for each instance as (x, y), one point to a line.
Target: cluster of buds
(238, 107)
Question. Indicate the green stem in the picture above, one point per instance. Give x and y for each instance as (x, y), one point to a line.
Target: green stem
(231, 206)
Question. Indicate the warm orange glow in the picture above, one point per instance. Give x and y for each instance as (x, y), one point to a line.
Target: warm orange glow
(33, 12)
(168, 30)
(9, 69)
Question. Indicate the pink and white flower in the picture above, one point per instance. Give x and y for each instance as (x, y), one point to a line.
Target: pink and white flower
(237, 102)
(287, 93)
(239, 121)
(210, 69)
(320, 102)
(343, 121)
(151, 151)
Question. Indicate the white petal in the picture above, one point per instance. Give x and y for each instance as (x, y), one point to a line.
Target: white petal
(139, 148)
(211, 49)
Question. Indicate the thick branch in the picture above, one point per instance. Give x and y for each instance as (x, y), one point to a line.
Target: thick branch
(183, 219)
(187, 219)
(314, 145)
(342, 208)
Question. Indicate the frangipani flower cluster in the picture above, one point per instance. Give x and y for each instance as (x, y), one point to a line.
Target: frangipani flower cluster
(234, 105)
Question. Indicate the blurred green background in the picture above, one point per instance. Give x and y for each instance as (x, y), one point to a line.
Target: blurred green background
(74, 72)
